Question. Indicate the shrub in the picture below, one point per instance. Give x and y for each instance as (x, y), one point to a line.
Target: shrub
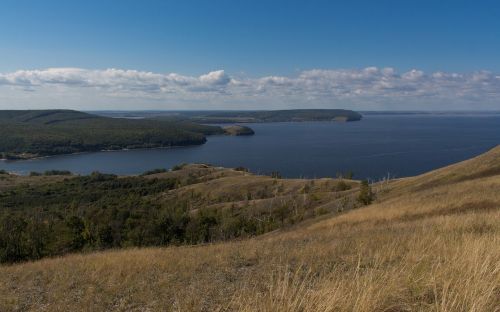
(276, 175)
(179, 166)
(345, 175)
(306, 189)
(57, 172)
(365, 195)
(154, 171)
(243, 169)
(342, 186)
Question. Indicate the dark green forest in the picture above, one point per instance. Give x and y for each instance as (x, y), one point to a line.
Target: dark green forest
(26, 134)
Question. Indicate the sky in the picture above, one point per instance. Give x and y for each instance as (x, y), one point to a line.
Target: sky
(364, 55)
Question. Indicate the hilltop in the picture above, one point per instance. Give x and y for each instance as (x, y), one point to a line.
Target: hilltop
(427, 243)
(35, 133)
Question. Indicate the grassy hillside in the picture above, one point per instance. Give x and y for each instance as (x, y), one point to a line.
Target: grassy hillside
(52, 215)
(25, 134)
(428, 243)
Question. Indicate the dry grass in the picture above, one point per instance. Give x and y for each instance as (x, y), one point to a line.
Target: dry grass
(418, 248)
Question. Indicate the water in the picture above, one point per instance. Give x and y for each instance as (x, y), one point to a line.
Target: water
(401, 145)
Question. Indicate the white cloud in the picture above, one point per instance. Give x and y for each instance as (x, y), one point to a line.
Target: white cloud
(413, 75)
(218, 77)
(366, 88)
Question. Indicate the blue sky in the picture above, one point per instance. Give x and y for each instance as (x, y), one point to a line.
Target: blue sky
(249, 41)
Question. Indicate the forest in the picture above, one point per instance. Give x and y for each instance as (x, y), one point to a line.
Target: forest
(28, 134)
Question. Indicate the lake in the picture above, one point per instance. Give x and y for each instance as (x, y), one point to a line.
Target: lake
(399, 145)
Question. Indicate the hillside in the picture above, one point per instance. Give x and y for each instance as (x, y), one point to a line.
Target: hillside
(428, 243)
(51, 214)
(27, 134)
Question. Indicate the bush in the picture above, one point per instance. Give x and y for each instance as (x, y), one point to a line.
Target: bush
(35, 174)
(349, 175)
(342, 186)
(154, 171)
(12, 239)
(56, 172)
(366, 195)
(243, 169)
(179, 166)
(276, 175)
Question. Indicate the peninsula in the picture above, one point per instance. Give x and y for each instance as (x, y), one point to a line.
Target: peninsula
(35, 133)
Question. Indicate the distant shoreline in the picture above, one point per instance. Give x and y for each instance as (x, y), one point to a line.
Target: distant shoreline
(98, 151)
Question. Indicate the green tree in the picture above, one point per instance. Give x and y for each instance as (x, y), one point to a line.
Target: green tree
(76, 227)
(365, 195)
(105, 236)
(13, 239)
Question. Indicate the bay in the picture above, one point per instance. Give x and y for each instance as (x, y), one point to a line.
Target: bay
(398, 145)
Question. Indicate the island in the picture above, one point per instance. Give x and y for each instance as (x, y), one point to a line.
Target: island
(238, 130)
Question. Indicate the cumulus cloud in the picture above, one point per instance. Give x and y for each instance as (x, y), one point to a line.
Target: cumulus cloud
(218, 77)
(309, 88)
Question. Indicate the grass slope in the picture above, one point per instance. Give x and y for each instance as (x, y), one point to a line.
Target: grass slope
(26, 134)
(429, 243)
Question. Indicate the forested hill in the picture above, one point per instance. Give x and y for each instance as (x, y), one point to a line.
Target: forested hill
(280, 116)
(244, 116)
(32, 133)
(43, 116)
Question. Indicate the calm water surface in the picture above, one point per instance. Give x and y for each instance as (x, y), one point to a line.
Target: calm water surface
(377, 145)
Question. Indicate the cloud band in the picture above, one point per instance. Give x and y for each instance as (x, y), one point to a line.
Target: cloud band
(314, 86)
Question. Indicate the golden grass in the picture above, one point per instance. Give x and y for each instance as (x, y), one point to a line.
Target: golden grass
(433, 248)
